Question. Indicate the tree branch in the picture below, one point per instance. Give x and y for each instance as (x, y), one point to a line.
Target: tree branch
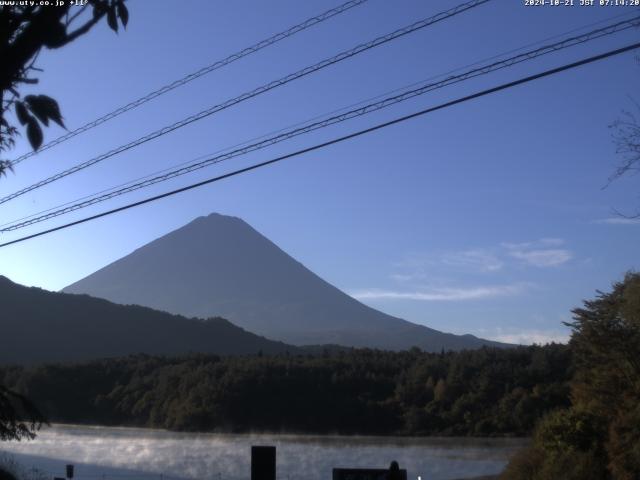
(82, 30)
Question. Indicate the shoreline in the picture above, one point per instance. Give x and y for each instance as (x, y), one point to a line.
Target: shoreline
(285, 434)
(112, 452)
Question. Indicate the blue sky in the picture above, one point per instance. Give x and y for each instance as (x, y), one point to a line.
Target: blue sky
(486, 218)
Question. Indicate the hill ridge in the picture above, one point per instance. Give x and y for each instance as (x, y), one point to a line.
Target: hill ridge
(65, 327)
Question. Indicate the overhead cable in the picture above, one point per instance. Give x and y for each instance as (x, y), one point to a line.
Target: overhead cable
(310, 127)
(253, 93)
(334, 141)
(310, 22)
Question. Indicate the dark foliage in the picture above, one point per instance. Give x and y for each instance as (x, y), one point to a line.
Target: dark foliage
(481, 392)
(598, 437)
(25, 29)
(6, 475)
(19, 418)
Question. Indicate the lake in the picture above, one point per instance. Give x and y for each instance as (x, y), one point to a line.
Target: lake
(101, 453)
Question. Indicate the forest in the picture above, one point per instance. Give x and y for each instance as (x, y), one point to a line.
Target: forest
(598, 436)
(579, 402)
(485, 392)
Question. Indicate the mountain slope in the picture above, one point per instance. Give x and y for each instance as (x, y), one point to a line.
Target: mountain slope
(41, 326)
(219, 265)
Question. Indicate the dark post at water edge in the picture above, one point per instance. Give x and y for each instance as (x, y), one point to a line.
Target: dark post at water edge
(263, 467)
(263, 463)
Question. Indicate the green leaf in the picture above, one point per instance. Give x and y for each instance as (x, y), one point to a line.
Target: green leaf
(21, 113)
(34, 133)
(123, 13)
(112, 20)
(45, 108)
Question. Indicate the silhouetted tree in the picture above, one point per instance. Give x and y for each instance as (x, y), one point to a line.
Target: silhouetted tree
(25, 30)
(18, 417)
(626, 138)
(598, 437)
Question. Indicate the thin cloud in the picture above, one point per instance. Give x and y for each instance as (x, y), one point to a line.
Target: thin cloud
(618, 221)
(542, 258)
(407, 277)
(528, 337)
(415, 266)
(551, 242)
(440, 294)
(538, 253)
(541, 243)
(542, 253)
(475, 259)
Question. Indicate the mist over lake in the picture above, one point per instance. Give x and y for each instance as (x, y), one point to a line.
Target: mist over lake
(121, 453)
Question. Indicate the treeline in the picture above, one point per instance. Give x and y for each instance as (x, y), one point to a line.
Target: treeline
(479, 393)
(598, 436)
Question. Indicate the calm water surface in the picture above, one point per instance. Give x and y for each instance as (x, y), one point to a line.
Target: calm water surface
(101, 453)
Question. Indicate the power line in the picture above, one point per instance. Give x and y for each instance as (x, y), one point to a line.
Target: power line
(317, 117)
(286, 135)
(350, 136)
(310, 22)
(262, 89)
